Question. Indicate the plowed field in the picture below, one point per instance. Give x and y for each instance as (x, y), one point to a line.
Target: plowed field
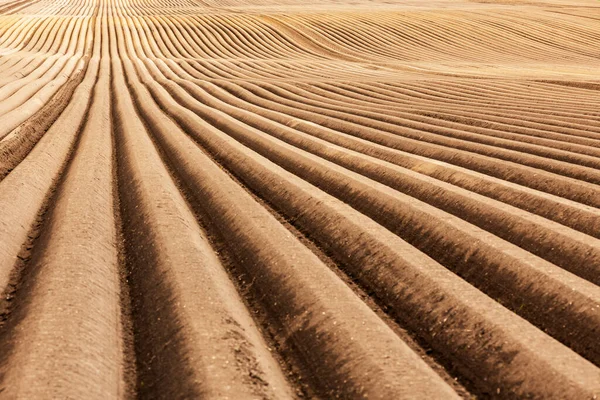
(276, 199)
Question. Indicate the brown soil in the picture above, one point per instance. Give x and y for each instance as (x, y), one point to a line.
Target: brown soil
(268, 199)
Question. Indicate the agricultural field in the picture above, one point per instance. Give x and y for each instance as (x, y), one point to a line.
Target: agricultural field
(277, 199)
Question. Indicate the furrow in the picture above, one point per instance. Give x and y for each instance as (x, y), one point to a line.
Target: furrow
(314, 311)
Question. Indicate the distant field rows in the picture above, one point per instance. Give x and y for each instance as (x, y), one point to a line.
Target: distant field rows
(268, 199)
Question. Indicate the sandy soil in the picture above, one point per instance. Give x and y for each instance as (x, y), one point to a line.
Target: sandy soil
(263, 199)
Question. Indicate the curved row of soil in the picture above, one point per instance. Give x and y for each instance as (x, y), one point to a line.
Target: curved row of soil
(216, 199)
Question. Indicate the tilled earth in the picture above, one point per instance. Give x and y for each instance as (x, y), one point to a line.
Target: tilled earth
(281, 199)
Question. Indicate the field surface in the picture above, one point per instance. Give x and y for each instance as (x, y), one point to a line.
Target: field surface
(277, 199)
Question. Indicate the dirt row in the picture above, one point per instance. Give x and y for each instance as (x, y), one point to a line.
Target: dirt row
(201, 200)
